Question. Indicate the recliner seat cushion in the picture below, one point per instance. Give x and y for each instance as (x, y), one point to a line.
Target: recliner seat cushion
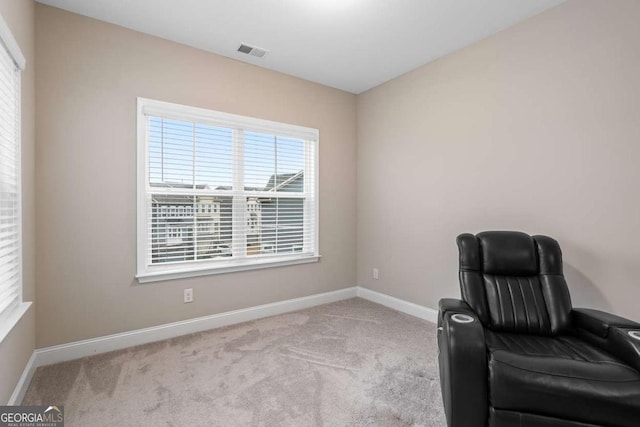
(561, 377)
(563, 346)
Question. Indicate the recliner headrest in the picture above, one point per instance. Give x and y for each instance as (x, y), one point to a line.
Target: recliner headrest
(508, 253)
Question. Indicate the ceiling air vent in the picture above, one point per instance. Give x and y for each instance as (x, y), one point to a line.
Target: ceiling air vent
(252, 50)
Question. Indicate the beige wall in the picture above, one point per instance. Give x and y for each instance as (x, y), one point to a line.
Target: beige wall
(536, 128)
(17, 347)
(88, 77)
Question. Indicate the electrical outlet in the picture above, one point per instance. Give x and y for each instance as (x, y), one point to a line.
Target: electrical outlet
(188, 295)
(375, 273)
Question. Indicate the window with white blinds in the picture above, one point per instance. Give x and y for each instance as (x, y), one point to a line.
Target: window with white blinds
(11, 64)
(220, 192)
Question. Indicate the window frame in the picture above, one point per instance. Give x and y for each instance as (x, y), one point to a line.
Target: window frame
(146, 272)
(10, 316)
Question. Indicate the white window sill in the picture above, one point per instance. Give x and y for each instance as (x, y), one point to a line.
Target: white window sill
(12, 320)
(166, 274)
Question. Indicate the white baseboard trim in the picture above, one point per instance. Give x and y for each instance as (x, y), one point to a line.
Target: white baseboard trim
(24, 381)
(78, 349)
(407, 307)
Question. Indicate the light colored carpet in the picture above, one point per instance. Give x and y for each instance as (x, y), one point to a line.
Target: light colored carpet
(350, 363)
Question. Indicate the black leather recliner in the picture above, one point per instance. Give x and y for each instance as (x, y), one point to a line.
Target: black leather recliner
(513, 352)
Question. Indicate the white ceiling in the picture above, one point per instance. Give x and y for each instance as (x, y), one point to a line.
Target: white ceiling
(351, 45)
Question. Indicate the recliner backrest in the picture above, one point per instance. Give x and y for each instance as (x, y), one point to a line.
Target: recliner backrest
(514, 282)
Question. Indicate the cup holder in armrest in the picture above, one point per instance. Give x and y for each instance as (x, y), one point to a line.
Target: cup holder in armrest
(461, 318)
(634, 334)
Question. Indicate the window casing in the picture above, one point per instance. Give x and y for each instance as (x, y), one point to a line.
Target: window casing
(12, 62)
(219, 192)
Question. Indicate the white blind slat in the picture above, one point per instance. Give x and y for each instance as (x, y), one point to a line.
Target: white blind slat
(10, 262)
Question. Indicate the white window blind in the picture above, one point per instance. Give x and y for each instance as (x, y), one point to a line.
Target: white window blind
(11, 63)
(220, 192)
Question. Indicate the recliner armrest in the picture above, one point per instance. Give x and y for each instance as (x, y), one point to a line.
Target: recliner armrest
(463, 365)
(609, 332)
(599, 322)
(454, 304)
(624, 345)
(446, 305)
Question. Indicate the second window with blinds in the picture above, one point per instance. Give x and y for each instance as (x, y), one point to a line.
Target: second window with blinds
(219, 192)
